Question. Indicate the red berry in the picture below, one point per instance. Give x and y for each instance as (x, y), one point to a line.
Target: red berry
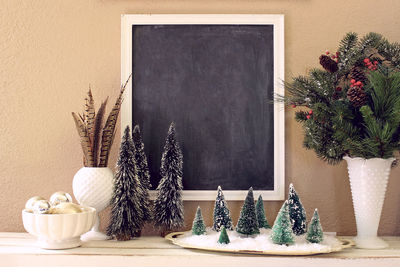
(327, 52)
(293, 105)
(376, 62)
(370, 67)
(366, 60)
(308, 117)
(353, 81)
(310, 112)
(358, 83)
(338, 89)
(333, 56)
(337, 53)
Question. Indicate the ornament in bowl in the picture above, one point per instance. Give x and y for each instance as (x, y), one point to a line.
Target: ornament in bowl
(57, 226)
(93, 184)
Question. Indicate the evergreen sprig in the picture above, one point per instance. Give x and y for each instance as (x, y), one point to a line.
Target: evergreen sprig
(334, 126)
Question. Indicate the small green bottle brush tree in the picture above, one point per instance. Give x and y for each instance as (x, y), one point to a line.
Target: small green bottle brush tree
(352, 105)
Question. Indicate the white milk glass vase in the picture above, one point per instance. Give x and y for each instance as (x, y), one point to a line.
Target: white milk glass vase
(368, 182)
(92, 187)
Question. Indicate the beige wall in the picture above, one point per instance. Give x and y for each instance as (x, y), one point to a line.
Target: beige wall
(50, 51)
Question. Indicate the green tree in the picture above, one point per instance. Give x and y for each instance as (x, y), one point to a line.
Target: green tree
(223, 237)
(260, 211)
(315, 233)
(221, 215)
(247, 223)
(198, 227)
(126, 213)
(297, 212)
(168, 206)
(282, 233)
(143, 173)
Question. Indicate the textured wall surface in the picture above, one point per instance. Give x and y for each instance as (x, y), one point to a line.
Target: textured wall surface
(50, 50)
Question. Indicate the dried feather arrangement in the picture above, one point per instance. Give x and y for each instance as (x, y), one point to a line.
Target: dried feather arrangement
(96, 138)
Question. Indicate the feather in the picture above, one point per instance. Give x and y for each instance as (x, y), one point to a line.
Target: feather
(98, 124)
(85, 142)
(109, 128)
(90, 116)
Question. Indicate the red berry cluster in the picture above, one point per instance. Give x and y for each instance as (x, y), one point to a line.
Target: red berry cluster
(355, 83)
(334, 57)
(370, 65)
(309, 114)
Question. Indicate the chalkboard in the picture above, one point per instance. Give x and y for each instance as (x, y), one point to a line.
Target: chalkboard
(216, 82)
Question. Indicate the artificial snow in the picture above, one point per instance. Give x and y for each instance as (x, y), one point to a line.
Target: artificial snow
(261, 242)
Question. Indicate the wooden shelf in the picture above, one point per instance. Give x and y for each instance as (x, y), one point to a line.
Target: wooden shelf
(19, 249)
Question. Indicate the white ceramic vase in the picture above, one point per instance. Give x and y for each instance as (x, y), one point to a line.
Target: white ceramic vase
(368, 182)
(92, 187)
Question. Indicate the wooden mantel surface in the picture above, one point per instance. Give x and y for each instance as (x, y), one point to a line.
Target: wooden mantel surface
(19, 249)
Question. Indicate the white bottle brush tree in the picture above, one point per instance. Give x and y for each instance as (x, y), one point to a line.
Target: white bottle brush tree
(126, 213)
(143, 173)
(168, 206)
(221, 216)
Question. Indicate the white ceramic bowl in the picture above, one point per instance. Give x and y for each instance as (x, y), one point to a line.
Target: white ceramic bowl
(59, 231)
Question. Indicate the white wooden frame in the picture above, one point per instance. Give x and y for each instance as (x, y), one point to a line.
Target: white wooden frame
(127, 21)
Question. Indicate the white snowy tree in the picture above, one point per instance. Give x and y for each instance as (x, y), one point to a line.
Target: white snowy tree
(168, 206)
(142, 172)
(297, 212)
(222, 216)
(126, 214)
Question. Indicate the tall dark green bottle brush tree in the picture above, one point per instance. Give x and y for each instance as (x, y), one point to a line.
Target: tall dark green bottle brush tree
(143, 173)
(247, 223)
(221, 215)
(126, 213)
(260, 211)
(168, 206)
(351, 106)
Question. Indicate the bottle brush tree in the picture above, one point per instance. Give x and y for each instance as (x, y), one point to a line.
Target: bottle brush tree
(315, 233)
(223, 237)
(282, 233)
(297, 212)
(168, 206)
(247, 223)
(221, 216)
(260, 212)
(126, 213)
(143, 172)
(198, 227)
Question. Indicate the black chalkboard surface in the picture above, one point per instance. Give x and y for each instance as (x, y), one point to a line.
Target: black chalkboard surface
(215, 83)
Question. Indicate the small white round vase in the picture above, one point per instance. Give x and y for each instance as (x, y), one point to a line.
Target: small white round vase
(92, 187)
(368, 182)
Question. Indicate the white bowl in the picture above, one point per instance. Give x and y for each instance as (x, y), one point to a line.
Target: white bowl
(59, 231)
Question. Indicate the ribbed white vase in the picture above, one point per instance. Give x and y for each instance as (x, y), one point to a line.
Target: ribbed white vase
(92, 187)
(368, 182)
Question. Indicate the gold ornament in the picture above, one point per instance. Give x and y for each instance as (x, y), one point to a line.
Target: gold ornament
(66, 208)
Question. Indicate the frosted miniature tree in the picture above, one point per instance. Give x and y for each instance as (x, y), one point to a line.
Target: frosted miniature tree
(126, 214)
(143, 172)
(247, 223)
(168, 206)
(223, 237)
(297, 212)
(198, 228)
(221, 216)
(282, 233)
(260, 211)
(315, 233)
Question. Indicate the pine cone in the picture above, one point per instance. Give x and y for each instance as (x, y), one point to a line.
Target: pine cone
(358, 74)
(328, 63)
(357, 96)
